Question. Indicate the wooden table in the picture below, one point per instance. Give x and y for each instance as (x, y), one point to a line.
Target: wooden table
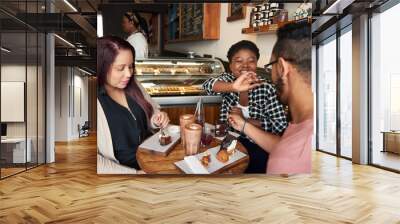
(391, 141)
(157, 164)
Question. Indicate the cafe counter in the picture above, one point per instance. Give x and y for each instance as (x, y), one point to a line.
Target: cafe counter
(175, 84)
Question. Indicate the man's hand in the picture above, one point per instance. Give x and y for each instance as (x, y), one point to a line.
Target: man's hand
(236, 121)
(254, 122)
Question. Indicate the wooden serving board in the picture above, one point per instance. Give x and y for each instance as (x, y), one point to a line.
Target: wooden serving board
(152, 144)
(215, 166)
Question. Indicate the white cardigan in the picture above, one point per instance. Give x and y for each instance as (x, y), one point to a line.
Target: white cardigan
(106, 161)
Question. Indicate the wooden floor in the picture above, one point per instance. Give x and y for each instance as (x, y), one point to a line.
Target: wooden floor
(387, 159)
(5, 172)
(70, 191)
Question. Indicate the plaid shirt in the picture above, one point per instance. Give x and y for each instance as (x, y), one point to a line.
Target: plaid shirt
(263, 104)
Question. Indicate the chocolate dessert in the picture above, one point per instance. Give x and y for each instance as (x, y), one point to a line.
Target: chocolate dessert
(220, 130)
(228, 147)
(165, 138)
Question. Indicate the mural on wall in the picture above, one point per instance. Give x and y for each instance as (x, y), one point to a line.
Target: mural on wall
(189, 137)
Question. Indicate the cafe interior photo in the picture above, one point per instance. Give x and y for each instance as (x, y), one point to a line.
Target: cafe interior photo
(58, 156)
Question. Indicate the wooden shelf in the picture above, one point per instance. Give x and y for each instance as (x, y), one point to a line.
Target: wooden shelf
(272, 28)
(268, 29)
(185, 40)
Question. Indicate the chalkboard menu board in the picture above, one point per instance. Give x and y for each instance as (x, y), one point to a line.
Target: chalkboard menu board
(192, 20)
(173, 22)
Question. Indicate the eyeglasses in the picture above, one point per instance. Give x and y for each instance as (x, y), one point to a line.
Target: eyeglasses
(268, 67)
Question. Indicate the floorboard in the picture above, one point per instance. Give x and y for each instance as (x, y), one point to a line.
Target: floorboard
(70, 191)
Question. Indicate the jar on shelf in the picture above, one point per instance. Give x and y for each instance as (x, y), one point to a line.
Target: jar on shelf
(281, 16)
(265, 15)
(263, 7)
(255, 23)
(271, 14)
(296, 14)
(274, 5)
(265, 22)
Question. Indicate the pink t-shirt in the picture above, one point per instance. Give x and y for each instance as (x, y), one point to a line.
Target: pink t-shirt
(292, 154)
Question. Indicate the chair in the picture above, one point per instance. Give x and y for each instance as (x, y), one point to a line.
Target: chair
(84, 130)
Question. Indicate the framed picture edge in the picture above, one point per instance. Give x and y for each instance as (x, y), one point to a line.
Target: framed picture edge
(233, 17)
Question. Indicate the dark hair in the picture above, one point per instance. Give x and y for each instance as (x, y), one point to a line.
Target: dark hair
(243, 44)
(107, 50)
(294, 45)
(139, 22)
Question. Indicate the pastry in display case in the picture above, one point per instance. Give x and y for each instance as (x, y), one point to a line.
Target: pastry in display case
(176, 76)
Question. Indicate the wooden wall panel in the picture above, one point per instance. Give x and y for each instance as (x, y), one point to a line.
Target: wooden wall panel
(212, 14)
(92, 99)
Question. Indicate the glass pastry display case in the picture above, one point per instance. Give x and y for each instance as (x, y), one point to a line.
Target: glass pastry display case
(177, 81)
(176, 76)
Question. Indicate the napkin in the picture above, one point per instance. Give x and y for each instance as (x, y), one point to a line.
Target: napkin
(195, 165)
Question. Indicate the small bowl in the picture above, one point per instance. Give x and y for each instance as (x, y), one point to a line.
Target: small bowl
(173, 129)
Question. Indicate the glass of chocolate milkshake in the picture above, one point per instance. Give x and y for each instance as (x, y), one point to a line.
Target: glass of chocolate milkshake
(192, 138)
(183, 121)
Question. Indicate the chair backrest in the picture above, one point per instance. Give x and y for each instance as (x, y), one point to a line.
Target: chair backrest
(86, 125)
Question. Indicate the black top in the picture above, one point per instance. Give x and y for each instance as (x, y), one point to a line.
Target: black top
(127, 129)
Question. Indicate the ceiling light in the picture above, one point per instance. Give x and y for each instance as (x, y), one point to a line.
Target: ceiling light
(79, 44)
(337, 7)
(70, 5)
(5, 50)
(84, 71)
(64, 40)
(99, 25)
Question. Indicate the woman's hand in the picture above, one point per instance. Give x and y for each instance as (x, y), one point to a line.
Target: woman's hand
(160, 119)
(236, 121)
(245, 82)
(236, 110)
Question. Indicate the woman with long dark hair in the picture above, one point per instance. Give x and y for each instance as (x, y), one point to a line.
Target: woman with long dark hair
(129, 111)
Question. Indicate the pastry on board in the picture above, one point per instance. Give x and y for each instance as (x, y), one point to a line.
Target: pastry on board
(206, 159)
(223, 156)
